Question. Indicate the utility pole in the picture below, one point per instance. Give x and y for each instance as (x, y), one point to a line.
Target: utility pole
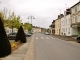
(31, 17)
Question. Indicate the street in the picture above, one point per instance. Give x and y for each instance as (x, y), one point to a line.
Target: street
(50, 48)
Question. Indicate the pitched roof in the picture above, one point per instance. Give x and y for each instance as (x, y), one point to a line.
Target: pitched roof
(75, 4)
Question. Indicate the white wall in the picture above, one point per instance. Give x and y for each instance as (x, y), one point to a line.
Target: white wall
(9, 30)
(66, 26)
(36, 29)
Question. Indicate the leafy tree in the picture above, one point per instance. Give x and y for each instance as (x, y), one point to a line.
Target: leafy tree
(5, 47)
(20, 35)
(10, 19)
(27, 26)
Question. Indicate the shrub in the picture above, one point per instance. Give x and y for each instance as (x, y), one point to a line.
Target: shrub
(74, 35)
(5, 47)
(20, 35)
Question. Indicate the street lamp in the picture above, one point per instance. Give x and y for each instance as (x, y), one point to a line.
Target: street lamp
(31, 17)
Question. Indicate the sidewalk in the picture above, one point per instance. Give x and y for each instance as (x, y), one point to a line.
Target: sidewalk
(20, 53)
(66, 38)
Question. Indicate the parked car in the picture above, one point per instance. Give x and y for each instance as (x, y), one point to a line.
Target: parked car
(78, 39)
(28, 34)
(11, 36)
(46, 33)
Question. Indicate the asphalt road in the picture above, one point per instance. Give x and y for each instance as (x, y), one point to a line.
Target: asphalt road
(50, 48)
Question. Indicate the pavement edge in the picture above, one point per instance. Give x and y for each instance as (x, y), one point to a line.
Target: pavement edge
(30, 52)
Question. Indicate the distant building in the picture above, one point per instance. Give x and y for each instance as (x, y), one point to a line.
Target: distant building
(36, 29)
(9, 30)
(52, 27)
(43, 30)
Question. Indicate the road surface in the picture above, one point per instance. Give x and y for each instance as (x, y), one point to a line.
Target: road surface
(50, 48)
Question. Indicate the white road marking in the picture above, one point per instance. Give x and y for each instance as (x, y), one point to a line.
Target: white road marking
(36, 37)
(47, 37)
(42, 38)
(52, 37)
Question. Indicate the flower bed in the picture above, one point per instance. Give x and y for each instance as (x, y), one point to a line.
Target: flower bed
(15, 45)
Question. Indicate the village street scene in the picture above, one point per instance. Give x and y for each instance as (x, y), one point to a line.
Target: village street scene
(40, 30)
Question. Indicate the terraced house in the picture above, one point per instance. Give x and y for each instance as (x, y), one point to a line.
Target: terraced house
(52, 27)
(66, 23)
(58, 25)
(75, 18)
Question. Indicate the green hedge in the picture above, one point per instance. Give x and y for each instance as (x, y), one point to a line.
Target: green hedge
(21, 35)
(74, 35)
(5, 47)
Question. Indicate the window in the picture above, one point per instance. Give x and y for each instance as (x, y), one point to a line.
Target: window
(73, 20)
(66, 29)
(69, 29)
(79, 7)
(66, 21)
(79, 18)
(69, 21)
(73, 11)
(62, 22)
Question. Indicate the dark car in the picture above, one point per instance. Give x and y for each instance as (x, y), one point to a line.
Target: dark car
(78, 39)
(11, 36)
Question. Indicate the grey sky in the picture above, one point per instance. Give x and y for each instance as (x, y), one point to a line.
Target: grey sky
(44, 11)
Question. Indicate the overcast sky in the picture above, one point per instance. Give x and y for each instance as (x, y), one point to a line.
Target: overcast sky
(44, 11)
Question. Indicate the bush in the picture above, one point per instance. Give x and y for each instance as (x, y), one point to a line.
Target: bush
(20, 35)
(74, 35)
(5, 47)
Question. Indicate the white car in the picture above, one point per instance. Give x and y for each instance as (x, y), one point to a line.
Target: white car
(46, 33)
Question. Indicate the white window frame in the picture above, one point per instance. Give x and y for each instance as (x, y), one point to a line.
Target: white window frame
(73, 11)
(66, 21)
(73, 19)
(78, 18)
(79, 7)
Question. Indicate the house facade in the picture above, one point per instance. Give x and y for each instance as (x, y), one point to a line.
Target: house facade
(75, 19)
(43, 30)
(58, 25)
(36, 29)
(52, 27)
(66, 28)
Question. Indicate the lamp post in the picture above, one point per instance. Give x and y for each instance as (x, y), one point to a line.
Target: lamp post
(31, 17)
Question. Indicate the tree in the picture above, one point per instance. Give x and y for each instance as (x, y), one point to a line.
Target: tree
(5, 47)
(10, 19)
(27, 26)
(20, 35)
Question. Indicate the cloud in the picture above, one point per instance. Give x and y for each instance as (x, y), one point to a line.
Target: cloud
(44, 11)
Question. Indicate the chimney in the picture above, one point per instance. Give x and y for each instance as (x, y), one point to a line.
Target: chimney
(58, 16)
(68, 11)
(61, 15)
